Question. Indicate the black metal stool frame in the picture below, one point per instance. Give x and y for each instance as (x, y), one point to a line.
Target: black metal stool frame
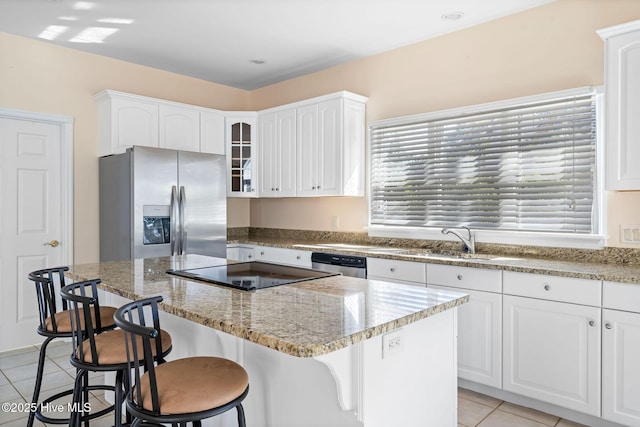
(45, 283)
(85, 310)
(131, 318)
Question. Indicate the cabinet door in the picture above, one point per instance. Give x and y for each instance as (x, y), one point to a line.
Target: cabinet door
(622, 110)
(179, 128)
(212, 132)
(307, 146)
(286, 161)
(277, 136)
(552, 352)
(133, 123)
(268, 155)
(621, 370)
(241, 155)
(479, 337)
(329, 180)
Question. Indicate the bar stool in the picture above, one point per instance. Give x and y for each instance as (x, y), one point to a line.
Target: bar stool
(55, 323)
(99, 352)
(179, 391)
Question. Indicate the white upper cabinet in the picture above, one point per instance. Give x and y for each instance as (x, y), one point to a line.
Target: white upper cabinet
(242, 153)
(277, 136)
(331, 135)
(126, 120)
(212, 132)
(179, 128)
(622, 94)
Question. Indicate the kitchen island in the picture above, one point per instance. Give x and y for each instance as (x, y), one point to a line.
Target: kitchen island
(336, 351)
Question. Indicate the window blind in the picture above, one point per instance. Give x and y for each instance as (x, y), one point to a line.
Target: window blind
(527, 166)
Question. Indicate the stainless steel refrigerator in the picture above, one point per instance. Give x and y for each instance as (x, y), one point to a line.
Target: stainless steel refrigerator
(156, 202)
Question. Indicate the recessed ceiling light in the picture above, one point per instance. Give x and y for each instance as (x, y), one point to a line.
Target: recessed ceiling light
(257, 61)
(452, 16)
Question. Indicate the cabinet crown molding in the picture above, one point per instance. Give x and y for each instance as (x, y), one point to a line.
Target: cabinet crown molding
(110, 93)
(616, 30)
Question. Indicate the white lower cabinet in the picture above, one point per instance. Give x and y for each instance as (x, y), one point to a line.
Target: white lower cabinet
(283, 256)
(479, 320)
(240, 253)
(552, 352)
(479, 337)
(621, 354)
(391, 270)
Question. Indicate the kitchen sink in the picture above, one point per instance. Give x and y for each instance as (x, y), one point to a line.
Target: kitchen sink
(456, 256)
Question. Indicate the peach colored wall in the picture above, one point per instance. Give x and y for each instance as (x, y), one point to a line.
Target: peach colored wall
(552, 47)
(40, 77)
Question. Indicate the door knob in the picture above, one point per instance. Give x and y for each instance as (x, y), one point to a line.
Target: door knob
(52, 243)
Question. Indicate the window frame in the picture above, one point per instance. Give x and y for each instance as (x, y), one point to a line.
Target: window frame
(595, 240)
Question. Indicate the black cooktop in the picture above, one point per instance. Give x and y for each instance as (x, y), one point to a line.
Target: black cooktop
(253, 275)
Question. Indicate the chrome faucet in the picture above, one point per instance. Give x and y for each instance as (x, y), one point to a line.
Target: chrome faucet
(469, 243)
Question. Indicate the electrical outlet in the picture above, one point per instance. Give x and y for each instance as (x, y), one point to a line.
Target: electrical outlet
(392, 343)
(335, 222)
(630, 234)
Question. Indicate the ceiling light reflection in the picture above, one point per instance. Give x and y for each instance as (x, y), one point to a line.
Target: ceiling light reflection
(83, 5)
(68, 18)
(52, 32)
(125, 21)
(93, 35)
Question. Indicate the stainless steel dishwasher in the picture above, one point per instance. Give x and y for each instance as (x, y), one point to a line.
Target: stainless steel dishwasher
(348, 265)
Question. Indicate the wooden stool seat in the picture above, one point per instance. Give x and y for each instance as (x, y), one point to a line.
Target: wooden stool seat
(63, 320)
(181, 391)
(55, 323)
(110, 348)
(195, 384)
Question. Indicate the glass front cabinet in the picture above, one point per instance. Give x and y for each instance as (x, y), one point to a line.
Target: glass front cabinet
(241, 155)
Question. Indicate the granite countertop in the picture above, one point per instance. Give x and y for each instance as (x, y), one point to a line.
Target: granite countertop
(551, 263)
(303, 319)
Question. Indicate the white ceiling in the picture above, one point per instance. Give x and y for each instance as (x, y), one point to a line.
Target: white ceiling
(215, 40)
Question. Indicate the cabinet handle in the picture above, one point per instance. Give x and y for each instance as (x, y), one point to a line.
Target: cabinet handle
(249, 256)
(273, 189)
(592, 323)
(547, 287)
(261, 252)
(459, 276)
(298, 257)
(392, 269)
(277, 189)
(313, 188)
(608, 325)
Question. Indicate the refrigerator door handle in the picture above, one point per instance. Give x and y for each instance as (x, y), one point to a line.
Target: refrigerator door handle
(174, 221)
(182, 249)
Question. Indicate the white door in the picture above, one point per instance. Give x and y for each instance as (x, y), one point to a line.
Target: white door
(34, 215)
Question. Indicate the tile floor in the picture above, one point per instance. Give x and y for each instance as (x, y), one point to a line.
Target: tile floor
(17, 377)
(478, 410)
(18, 367)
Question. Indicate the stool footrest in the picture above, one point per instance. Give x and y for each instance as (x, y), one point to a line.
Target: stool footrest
(48, 403)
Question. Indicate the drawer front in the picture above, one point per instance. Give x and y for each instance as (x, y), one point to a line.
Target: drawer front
(621, 296)
(554, 288)
(283, 256)
(400, 271)
(464, 277)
